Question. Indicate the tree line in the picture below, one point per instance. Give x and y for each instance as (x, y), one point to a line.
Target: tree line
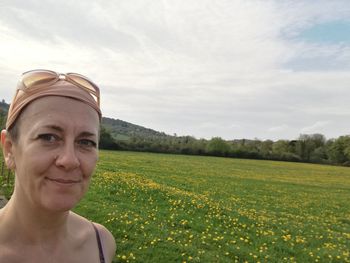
(311, 148)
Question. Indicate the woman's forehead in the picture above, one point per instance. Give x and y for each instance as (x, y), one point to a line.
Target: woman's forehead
(64, 110)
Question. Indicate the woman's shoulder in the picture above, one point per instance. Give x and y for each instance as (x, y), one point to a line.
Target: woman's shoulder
(107, 240)
(106, 237)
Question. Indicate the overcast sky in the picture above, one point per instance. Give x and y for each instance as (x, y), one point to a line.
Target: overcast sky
(229, 68)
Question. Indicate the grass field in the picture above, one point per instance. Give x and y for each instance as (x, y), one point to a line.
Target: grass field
(173, 208)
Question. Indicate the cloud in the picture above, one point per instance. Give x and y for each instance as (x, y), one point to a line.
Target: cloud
(53, 22)
(176, 66)
(316, 127)
(280, 128)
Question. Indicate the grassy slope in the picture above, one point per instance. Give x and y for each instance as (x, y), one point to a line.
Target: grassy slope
(173, 208)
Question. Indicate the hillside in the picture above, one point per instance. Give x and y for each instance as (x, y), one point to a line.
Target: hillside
(122, 130)
(119, 129)
(4, 107)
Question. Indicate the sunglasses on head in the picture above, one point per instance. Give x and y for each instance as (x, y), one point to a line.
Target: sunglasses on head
(41, 77)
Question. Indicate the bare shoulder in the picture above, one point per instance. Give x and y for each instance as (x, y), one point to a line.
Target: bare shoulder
(108, 241)
(79, 223)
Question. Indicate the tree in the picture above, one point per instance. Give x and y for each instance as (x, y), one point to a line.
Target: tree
(2, 119)
(319, 155)
(280, 147)
(339, 150)
(218, 147)
(283, 150)
(308, 143)
(106, 140)
(266, 148)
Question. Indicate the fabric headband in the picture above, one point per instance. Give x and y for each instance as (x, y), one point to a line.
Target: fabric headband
(61, 88)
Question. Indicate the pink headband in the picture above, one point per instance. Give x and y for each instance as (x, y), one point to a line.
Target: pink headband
(61, 88)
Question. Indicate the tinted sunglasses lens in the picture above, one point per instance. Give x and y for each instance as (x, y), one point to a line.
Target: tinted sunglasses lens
(86, 83)
(35, 78)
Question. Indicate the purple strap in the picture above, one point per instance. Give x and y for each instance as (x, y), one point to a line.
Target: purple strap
(102, 258)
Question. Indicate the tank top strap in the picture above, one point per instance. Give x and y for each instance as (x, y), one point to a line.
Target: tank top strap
(99, 244)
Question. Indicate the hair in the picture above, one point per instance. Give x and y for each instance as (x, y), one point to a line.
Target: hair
(13, 131)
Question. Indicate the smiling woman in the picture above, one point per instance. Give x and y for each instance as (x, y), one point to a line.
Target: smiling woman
(51, 143)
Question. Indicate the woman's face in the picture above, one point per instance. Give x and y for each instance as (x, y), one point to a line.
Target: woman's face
(56, 152)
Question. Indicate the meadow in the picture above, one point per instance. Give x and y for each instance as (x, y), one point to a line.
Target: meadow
(175, 208)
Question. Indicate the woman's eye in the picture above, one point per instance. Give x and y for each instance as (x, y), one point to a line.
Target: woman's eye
(87, 143)
(48, 137)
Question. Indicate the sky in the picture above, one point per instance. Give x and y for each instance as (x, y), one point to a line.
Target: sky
(226, 68)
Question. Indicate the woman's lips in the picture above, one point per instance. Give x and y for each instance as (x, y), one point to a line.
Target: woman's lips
(63, 181)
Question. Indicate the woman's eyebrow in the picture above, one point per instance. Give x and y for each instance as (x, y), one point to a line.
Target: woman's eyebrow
(87, 134)
(60, 129)
(54, 127)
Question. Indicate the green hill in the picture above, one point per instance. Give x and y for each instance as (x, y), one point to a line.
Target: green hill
(119, 129)
(4, 107)
(122, 130)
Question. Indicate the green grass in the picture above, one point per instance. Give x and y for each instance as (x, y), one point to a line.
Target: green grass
(173, 208)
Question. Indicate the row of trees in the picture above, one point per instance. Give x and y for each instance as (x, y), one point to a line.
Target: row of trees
(314, 148)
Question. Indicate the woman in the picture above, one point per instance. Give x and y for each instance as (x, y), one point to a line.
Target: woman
(51, 143)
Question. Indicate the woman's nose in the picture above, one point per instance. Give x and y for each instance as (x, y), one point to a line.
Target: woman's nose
(67, 157)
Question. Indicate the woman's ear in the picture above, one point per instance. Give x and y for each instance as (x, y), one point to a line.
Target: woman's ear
(7, 149)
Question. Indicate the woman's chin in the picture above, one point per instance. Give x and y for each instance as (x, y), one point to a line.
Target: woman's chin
(59, 200)
(61, 205)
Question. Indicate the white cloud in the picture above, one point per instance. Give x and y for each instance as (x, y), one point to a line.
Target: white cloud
(280, 128)
(316, 127)
(177, 65)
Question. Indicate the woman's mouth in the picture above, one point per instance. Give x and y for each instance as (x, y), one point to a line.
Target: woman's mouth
(63, 181)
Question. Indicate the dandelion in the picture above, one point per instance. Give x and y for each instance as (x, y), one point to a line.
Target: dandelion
(143, 209)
